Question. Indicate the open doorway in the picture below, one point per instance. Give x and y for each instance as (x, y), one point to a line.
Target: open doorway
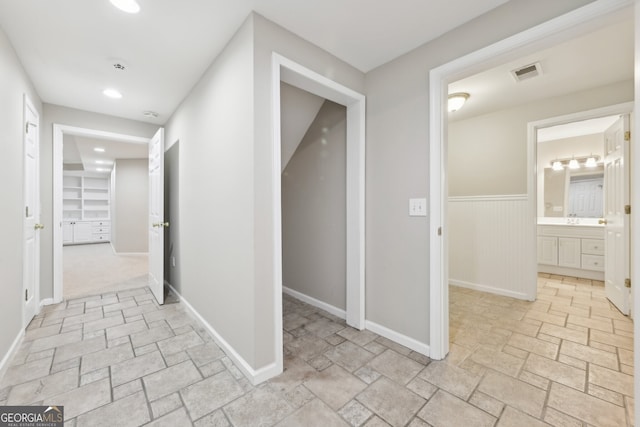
(100, 202)
(560, 31)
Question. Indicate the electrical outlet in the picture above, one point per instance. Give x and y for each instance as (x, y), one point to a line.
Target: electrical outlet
(417, 207)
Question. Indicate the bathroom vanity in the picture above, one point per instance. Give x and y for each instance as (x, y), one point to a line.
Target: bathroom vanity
(573, 248)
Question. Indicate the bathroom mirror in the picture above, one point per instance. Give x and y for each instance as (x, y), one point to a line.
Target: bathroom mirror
(574, 193)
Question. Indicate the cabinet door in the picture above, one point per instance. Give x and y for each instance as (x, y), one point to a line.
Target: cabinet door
(82, 232)
(67, 232)
(547, 250)
(569, 252)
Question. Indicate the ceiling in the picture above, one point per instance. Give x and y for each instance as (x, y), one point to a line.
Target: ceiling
(596, 59)
(79, 153)
(579, 128)
(68, 47)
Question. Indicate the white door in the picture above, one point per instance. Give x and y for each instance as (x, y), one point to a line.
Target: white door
(31, 233)
(616, 181)
(156, 215)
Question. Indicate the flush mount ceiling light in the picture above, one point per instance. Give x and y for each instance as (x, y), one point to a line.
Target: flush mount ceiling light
(129, 6)
(457, 100)
(98, 150)
(112, 93)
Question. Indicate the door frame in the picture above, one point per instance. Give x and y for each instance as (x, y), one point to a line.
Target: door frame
(59, 131)
(288, 71)
(564, 27)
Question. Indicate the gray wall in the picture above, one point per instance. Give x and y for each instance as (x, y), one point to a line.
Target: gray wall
(72, 117)
(172, 215)
(131, 206)
(398, 162)
(14, 83)
(314, 210)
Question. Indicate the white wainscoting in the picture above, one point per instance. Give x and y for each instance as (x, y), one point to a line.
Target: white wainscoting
(492, 245)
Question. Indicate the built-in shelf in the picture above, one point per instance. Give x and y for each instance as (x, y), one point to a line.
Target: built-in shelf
(85, 208)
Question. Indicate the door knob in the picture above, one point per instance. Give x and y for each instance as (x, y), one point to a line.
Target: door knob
(602, 221)
(38, 226)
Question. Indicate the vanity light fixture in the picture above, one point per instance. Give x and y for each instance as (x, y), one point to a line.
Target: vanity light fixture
(456, 101)
(129, 6)
(591, 162)
(557, 166)
(573, 164)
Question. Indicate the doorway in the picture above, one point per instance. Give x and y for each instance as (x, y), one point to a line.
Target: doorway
(579, 22)
(69, 191)
(287, 71)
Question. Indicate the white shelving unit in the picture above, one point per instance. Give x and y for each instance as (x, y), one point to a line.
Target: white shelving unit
(85, 208)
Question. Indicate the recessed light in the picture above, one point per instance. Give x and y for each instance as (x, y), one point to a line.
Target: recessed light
(102, 170)
(112, 93)
(101, 162)
(129, 6)
(98, 150)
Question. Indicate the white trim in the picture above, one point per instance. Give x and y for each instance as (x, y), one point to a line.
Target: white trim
(489, 289)
(551, 32)
(505, 198)
(288, 71)
(46, 301)
(315, 302)
(58, 135)
(401, 339)
(256, 376)
(15, 346)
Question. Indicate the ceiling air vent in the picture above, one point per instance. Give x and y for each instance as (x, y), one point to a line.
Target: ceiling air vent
(527, 72)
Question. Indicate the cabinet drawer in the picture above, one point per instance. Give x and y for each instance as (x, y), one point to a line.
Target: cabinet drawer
(593, 262)
(101, 229)
(100, 223)
(100, 237)
(593, 246)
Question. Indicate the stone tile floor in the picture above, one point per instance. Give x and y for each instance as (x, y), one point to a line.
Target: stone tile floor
(118, 359)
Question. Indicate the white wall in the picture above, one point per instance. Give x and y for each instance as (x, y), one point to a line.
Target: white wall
(398, 162)
(130, 218)
(78, 118)
(314, 210)
(14, 83)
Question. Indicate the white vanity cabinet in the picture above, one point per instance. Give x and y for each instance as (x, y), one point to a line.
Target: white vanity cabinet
(571, 250)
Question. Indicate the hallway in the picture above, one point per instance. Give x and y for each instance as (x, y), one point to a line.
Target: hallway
(119, 359)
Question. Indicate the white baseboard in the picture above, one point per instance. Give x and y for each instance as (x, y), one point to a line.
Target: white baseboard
(46, 301)
(4, 364)
(315, 302)
(571, 272)
(490, 289)
(256, 376)
(404, 340)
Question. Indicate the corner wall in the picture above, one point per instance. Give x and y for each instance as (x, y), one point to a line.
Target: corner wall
(14, 84)
(314, 210)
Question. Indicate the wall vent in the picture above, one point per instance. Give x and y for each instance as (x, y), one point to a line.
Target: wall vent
(527, 72)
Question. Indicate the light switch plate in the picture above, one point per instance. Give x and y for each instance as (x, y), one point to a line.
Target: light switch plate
(417, 207)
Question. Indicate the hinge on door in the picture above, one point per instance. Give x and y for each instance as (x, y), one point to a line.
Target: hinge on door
(627, 283)
(627, 209)
(627, 136)
(26, 294)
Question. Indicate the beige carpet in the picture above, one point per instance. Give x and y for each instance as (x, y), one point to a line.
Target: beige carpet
(96, 269)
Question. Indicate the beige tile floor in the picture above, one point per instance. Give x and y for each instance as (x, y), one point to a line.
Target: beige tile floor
(118, 359)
